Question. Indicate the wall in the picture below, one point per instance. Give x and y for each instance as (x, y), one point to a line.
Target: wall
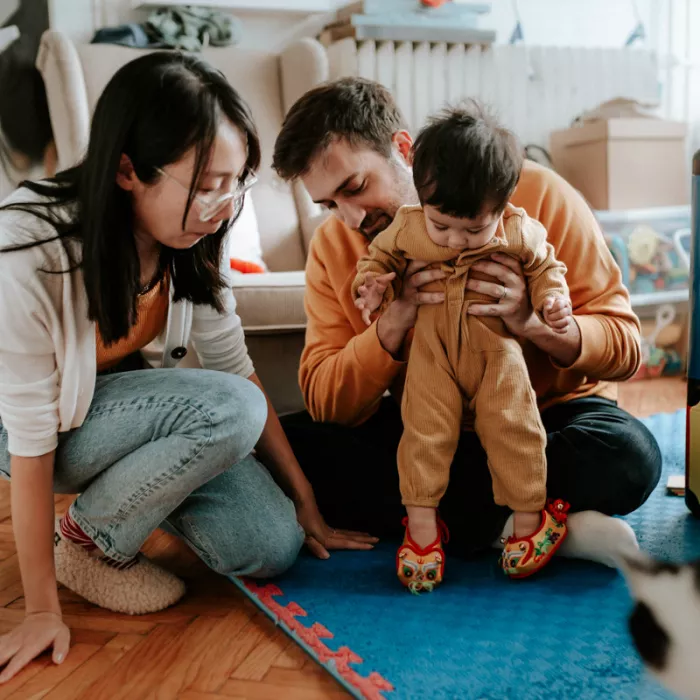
(80, 18)
(569, 22)
(7, 7)
(545, 22)
(680, 64)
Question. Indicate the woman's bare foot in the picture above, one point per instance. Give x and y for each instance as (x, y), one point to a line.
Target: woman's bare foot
(525, 524)
(422, 525)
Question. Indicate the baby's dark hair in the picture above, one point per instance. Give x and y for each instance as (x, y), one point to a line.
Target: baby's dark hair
(464, 161)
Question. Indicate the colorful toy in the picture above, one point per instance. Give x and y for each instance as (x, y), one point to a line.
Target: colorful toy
(655, 264)
(650, 261)
(657, 358)
(618, 248)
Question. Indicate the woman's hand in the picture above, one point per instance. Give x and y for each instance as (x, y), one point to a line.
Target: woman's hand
(36, 633)
(320, 537)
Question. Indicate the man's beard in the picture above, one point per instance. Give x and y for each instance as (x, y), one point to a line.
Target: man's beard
(375, 222)
(379, 219)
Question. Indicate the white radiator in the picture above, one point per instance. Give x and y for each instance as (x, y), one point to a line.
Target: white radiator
(533, 90)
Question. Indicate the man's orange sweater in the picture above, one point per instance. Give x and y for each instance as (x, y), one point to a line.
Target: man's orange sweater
(345, 371)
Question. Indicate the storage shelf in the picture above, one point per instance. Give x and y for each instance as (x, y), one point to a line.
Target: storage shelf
(633, 216)
(291, 6)
(670, 296)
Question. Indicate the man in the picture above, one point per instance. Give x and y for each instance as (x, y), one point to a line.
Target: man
(348, 144)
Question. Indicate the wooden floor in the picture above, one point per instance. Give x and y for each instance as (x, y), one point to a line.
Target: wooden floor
(214, 644)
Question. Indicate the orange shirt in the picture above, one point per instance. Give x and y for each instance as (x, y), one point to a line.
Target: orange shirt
(345, 371)
(152, 309)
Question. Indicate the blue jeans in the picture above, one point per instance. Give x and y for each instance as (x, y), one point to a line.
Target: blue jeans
(172, 448)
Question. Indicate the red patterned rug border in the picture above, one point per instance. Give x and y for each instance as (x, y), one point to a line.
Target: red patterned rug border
(337, 662)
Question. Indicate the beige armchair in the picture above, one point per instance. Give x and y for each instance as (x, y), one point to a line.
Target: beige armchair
(271, 304)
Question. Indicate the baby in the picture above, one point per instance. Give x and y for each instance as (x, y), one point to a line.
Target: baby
(462, 366)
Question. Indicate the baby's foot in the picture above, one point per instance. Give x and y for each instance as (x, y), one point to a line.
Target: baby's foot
(422, 525)
(525, 554)
(420, 560)
(525, 524)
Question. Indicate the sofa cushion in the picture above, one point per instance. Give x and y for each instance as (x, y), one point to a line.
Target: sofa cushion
(271, 303)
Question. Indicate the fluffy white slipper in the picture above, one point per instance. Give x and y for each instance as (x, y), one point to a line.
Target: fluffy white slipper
(142, 588)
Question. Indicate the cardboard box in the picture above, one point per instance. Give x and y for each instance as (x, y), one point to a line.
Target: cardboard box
(624, 163)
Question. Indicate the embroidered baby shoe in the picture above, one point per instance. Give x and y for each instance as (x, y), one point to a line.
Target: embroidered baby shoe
(421, 569)
(525, 556)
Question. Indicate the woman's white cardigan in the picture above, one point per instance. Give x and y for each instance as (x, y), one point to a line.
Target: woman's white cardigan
(47, 343)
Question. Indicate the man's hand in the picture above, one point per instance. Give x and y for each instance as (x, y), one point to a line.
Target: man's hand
(372, 293)
(511, 300)
(401, 314)
(512, 304)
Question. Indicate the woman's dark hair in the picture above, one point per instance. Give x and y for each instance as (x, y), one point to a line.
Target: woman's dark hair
(154, 110)
(464, 160)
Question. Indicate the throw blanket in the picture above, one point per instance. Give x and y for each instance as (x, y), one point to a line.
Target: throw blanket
(187, 29)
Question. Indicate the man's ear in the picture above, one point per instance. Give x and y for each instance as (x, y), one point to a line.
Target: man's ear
(126, 175)
(404, 143)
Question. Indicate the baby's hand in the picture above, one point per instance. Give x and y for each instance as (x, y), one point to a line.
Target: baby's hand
(371, 294)
(557, 313)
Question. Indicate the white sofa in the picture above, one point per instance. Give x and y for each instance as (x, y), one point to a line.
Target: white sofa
(270, 304)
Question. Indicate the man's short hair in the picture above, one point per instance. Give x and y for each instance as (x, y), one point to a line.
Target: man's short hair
(464, 160)
(361, 111)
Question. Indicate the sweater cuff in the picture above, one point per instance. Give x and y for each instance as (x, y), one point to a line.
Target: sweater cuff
(593, 344)
(23, 447)
(374, 359)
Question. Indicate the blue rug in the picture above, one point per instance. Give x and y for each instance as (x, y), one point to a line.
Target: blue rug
(560, 635)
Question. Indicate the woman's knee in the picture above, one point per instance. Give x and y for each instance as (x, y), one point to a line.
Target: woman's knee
(236, 410)
(268, 551)
(241, 523)
(280, 549)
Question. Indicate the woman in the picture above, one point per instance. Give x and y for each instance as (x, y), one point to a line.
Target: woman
(102, 262)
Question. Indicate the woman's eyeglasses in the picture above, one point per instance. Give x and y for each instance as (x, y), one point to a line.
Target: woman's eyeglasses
(215, 202)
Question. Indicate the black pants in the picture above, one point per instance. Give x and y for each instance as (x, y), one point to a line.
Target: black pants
(598, 458)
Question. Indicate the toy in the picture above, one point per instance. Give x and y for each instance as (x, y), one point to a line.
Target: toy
(654, 262)
(650, 261)
(657, 357)
(618, 248)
